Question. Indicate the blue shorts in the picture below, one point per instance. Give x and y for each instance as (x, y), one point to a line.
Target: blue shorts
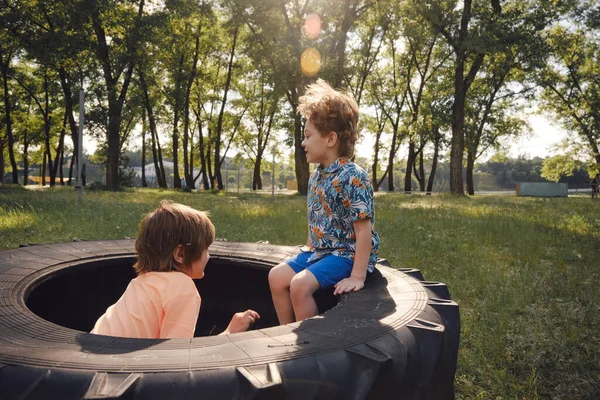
(328, 270)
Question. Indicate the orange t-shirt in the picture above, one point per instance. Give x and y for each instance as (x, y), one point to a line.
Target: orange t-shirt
(154, 305)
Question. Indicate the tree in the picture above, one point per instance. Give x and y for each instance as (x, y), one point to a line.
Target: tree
(454, 23)
(156, 148)
(428, 55)
(364, 52)
(28, 122)
(185, 39)
(376, 126)
(493, 108)
(48, 34)
(389, 90)
(276, 27)
(219, 128)
(118, 33)
(570, 79)
(9, 48)
(45, 104)
(202, 36)
(262, 103)
(343, 15)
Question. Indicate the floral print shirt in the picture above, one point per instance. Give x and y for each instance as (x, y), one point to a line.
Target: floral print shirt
(337, 196)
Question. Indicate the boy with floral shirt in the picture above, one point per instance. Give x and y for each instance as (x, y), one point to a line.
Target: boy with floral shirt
(342, 244)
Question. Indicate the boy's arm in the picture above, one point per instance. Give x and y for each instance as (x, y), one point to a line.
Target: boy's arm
(241, 322)
(356, 280)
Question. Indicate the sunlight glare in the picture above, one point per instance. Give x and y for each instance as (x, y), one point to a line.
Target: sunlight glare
(312, 26)
(310, 62)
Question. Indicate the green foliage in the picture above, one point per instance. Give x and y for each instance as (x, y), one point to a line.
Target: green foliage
(523, 270)
(508, 173)
(570, 78)
(558, 166)
(397, 58)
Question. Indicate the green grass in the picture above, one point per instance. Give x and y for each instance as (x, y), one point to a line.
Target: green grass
(525, 271)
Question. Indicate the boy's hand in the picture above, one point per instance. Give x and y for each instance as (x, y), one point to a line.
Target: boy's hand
(348, 284)
(241, 322)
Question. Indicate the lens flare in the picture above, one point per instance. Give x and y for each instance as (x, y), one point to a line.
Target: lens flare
(312, 26)
(310, 62)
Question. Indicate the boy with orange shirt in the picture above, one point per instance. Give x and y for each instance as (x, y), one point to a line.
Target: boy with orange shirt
(162, 302)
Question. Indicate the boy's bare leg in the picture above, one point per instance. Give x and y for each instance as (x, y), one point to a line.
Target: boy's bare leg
(302, 287)
(280, 278)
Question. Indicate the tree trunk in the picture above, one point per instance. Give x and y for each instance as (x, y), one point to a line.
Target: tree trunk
(375, 163)
(470, 166)
(594, 145)
(300, 162)
(390, 169)
(144, 183)
(47, 125)
(256, 176)
(189, 164)
(59, 153)
(156, 150)
(390, 175)
(43, 170)
(421, 172)
(157, 173)
(73, 158)
(8, 121)
(458, 123)
(213, 183)
(116, 97)
(113, 140)
(178, 76)
(461, 86)
(341, 45)
(205, 181)
(409, 166)
(158, 159)
(60, 166)
(192, 184)
(25, 157)
(66, 88)
(218, 132)
(434, 161)
(1, 162)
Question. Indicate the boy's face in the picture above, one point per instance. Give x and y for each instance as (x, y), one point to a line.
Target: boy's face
(197, 269)
(318, 148)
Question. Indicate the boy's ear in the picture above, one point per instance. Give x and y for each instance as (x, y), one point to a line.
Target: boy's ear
(332, 139)
(179, 254)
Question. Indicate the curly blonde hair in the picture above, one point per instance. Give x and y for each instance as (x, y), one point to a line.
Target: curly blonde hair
(165, 228)
(331, 111)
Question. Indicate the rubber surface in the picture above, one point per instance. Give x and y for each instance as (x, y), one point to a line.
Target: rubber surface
(395, 339)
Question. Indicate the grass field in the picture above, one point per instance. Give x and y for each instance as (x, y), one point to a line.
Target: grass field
(525, 271)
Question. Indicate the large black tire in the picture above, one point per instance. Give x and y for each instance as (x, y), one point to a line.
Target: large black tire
(395, 339)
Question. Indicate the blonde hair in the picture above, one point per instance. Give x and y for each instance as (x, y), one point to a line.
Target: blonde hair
(331, 110)
(166, 227)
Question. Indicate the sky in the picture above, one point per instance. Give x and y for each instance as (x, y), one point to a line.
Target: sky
(545, 135)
